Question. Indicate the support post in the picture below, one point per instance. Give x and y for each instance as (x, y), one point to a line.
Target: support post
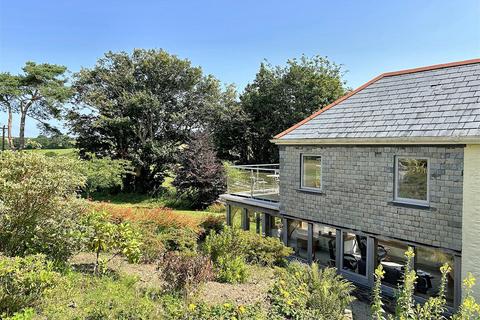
(266, 224)
(310, 243)
(229, 215)
(245, 221)
(372, 245)
(258, 221)
(457, 278)
(285, 231)
(339, 249)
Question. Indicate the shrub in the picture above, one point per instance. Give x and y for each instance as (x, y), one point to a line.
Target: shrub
(103, 173)
(217, 207)
(101, 235)
(211, 224)
(81, 296)
(25, 314)
(304, 292)
(253, 247)
(152, 246)
(183, 240)
(23, 281)
(184, 272)
(232, 269)
(200, 176)
(161, 218)
(39, 207)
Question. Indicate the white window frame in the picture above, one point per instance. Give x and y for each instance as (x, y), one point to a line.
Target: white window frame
(396, 198)
(302, 174)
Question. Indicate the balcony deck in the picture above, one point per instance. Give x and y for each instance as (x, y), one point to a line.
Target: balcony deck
(254, 186)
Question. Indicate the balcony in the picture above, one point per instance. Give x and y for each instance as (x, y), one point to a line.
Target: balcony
(258, 181)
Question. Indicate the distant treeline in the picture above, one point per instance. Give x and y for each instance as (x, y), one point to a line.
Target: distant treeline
(45, 142)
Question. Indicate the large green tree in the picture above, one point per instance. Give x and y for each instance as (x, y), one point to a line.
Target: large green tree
(281, 96)
(143, 107)
(40, 93)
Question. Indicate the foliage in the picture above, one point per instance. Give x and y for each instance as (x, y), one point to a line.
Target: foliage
(232, 269)
(304, 292)
(101, 235)
(103, 173)
(54, 141)
(24, 314)
(39, 208)
(434, 308)
(282, 96)
(39, 93)
(216, 207)
(144, 106)
(160, 218)
(32, 144)
(23, 281)
(183, 240)
(223, 311)
(212, 223)
(199, 176)
(81, 296)
(253, 247)
(184, 272)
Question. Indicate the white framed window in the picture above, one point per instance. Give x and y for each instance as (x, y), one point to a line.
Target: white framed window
(412, 180)
(311, 172)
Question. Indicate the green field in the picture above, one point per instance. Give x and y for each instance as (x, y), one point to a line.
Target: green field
(57, 152)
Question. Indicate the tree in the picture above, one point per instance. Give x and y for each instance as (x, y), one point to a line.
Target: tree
(143, 108)
(200, 176)
(282, 96)
(39, 93)
(9, 89)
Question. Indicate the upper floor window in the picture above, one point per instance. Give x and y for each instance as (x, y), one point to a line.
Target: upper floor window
(311, 172)
(411, 180)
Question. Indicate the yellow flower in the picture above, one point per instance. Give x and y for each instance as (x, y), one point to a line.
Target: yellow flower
(286, 294)
(289, 302)
(241, 309)
(226, 305)
(191, 307)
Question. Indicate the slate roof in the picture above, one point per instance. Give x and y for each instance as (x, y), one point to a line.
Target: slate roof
(436, 101)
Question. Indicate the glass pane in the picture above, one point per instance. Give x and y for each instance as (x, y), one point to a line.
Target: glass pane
(412, 179)
(312, 170)
(298, 237)
(428, 266)
(354, 253)
(324, 245)
(391, 254)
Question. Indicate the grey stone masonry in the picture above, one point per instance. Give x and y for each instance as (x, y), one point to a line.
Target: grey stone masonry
(358, 190)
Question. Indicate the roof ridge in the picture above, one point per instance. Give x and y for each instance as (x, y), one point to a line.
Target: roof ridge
(383, 75)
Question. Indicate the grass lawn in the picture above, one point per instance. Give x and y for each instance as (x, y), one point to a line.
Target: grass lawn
(58, 152)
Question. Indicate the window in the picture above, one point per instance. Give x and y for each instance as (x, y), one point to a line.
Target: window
(311, 172)
(354, 253)
(411, 180)
(298, 237)
(391, 255)
(324, 242)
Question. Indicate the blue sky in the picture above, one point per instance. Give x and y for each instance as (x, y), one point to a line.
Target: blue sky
(229, 39)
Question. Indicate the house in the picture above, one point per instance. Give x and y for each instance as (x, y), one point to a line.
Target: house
(392, 164)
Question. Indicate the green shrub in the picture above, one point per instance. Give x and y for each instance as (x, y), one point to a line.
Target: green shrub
(211, 224)
(232, 269)
(175, 239)
(101, 235)
(39, 208)
(103, 173)
(253, 247)
(25, 314)
(81, 296)
(23, 281)
(184, 272)
(304, 292)
(152, 246)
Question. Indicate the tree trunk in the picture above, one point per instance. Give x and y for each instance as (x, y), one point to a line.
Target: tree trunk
(9, 129)
(21, 136)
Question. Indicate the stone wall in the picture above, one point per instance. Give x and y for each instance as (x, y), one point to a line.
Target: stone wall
(358, 188)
